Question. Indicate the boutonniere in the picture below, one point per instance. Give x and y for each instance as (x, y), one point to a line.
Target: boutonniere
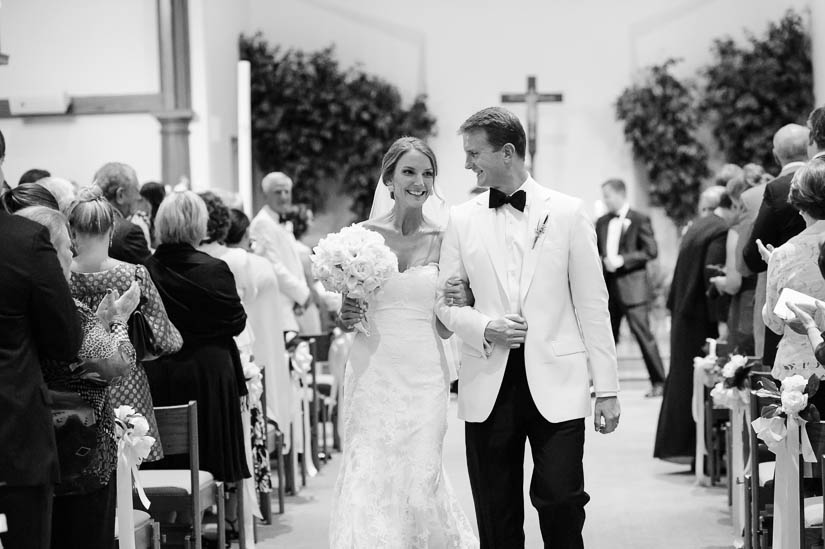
(540, 228)
(625, 223)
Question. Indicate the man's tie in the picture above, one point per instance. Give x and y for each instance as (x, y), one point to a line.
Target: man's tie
(517, 200)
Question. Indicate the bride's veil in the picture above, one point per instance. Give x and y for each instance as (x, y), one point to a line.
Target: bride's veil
(435, 208)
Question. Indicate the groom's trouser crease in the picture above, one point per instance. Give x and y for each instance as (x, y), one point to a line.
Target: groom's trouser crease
(495, 461)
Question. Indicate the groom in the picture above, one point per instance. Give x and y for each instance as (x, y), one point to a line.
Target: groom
(539, 332)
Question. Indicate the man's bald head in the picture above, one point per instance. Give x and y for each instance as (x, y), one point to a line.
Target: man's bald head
(277, 189)
(790, 144)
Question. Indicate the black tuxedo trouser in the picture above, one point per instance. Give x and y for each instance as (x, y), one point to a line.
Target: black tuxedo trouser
(28, 511)
(637, 319)
(495, 461)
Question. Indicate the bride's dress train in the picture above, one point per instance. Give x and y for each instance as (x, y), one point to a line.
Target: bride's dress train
(392, 491)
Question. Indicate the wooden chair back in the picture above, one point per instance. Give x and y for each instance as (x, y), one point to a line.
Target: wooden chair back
(178, 429)
(757, 506)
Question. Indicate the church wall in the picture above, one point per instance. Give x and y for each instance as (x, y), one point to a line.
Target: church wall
(82, 47)
(476, 50)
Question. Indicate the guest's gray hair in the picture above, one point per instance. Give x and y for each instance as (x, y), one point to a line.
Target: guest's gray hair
(62, 189)
(113, 176)
(182, 218)
(49, 218)
(273, 179)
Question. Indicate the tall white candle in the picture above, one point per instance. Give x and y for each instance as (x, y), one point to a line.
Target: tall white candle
(245, 136)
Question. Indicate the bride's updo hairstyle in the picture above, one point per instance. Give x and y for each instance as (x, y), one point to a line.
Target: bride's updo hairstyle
(401, 147)
(90, 213)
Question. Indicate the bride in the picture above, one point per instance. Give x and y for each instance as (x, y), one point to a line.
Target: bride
(392, 491)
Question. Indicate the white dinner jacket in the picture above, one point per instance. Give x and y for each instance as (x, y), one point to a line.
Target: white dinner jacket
(278, 245)
(562, 296)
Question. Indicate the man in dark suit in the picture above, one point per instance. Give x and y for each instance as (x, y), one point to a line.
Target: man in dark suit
(121, 188)
(38, 320)
(777, 221)
(626, 244)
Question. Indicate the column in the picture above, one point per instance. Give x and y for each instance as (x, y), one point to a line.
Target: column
(817, 8)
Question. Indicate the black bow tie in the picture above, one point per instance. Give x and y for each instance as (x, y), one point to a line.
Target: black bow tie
(517, 200)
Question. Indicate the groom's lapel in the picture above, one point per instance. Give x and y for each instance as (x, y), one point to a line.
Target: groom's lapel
(539, 213)
(492, 240)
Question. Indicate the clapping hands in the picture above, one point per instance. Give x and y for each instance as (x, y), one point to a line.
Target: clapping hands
(806, 316)
(117, 308)
(765, 251)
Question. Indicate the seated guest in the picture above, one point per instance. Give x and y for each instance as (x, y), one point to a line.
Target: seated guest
(120, 187)
(694, 318)
(83, 513)
(94, 274)
(794, 265)
(33, 176)
(25, 195)
(201, 299)
(39, 322)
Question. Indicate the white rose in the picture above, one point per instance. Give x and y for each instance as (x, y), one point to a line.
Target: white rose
(142, 446)
(321, 271)
(140, 427)
(794, 402)
(362, 268)
(371, 285)
(794, 383)
(354, 288)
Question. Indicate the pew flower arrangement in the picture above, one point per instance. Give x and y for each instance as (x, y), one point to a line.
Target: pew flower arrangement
(731, 390)
(782, 427)
(133, 446)
(710, 369)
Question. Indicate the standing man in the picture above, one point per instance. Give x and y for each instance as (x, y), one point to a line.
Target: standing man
(626, 244)
(537, 335)
(120, 187)
(276, 243)
(38, 321)
(777, 221)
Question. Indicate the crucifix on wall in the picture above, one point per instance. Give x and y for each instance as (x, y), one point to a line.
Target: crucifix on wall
(532, 98)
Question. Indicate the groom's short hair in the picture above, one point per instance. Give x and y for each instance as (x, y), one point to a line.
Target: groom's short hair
(501, 127)
(616, 184)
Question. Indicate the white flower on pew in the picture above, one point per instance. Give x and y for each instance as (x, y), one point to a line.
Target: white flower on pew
(795, 383)
(793, 402)
(131, 433)
(253, 377)
(736, 361)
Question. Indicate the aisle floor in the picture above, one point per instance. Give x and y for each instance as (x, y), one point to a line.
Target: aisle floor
(637, 502)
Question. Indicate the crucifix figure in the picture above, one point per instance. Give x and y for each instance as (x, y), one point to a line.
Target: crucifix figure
(532, 98)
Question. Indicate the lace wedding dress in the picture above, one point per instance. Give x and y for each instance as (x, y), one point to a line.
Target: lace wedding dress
(392, 491)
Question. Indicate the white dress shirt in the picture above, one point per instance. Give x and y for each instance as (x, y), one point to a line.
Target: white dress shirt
(614, 232)
(513, 225)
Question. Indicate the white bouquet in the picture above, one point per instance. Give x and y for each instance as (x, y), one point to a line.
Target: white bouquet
(354, 262)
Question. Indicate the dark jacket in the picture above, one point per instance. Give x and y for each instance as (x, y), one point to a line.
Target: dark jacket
(38, 320)
(128, 242)
(637, 245)
(703, 244)
(776, 222)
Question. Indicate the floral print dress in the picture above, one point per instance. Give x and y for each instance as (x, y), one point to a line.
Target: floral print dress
(90, 288)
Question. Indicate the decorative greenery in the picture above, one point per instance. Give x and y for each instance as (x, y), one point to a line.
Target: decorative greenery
(753, 90)
(325, 126)
(660, 123)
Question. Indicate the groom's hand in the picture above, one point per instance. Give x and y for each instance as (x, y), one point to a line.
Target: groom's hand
(606, 414)
(508, 331)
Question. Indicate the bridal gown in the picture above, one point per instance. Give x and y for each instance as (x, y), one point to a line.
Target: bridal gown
(392, 491)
